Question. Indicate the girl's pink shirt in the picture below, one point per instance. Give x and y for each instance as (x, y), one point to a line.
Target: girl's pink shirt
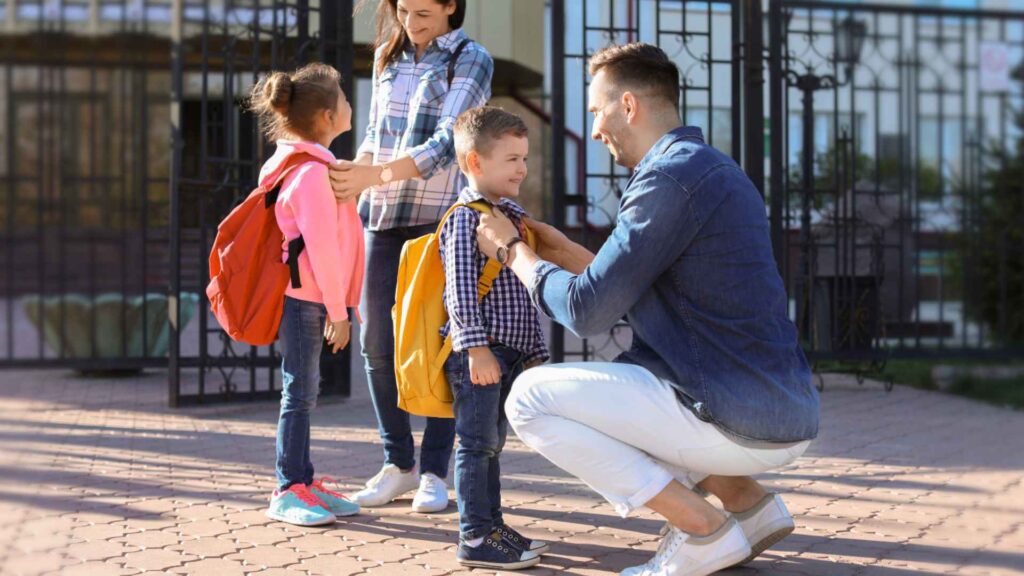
(331, 266)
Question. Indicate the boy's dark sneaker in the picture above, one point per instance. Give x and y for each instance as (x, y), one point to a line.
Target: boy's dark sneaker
(497, 552)
(524, 543)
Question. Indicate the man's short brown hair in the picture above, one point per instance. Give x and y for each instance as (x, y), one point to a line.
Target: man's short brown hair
(639, 67)
(477, 129)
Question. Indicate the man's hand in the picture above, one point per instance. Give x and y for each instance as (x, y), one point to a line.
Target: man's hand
(495, 230)
(349, 180)
(532, 364)
(484, 369)
(337, 334)
(551, 243)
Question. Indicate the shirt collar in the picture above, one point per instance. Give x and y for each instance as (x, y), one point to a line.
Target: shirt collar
(447, 42)
(663, 143)
(507, 206)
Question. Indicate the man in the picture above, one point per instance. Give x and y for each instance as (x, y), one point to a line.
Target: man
(714, 387)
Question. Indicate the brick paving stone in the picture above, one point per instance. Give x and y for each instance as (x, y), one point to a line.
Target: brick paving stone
(379, 553)
(31, 564)
(278, 572)
(91, 532)
(441, 559)
(333, 565)
(268, 557)
(318, 544)
(217, 566)
(259, 535)
(150, 539)
(202, 528)
(148, 523)
(100, 550)
(156, 559)
(209, 547)
(403, 569)
(97, 569)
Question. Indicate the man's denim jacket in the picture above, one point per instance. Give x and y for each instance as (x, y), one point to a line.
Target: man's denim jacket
(690, 267)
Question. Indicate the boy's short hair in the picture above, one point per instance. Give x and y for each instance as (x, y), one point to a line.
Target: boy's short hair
(478, 128)
(639, 66)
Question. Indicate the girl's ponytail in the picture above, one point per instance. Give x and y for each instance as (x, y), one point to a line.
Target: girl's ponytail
(287, 104)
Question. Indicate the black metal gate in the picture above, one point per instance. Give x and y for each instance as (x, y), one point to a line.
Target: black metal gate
(83, 187)
(897, 155)
(219, 52)
(124, 144)
(722, 87)
(904, 235)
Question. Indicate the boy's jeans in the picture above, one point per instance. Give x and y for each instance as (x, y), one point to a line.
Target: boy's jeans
(377, 337)
(481, 425)
(302, 337)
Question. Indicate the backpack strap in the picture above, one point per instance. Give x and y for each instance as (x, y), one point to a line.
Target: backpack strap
(455, 59)
(296, 246)
(493, 267)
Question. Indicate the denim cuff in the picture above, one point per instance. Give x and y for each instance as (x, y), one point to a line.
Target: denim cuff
(541, 270)
(474, 534)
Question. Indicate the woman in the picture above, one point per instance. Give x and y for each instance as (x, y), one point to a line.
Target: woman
(426, 72)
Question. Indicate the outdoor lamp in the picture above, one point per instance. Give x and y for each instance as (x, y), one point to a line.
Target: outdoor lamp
(849, 41)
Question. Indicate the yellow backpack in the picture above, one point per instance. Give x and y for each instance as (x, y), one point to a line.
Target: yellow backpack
(419, 314)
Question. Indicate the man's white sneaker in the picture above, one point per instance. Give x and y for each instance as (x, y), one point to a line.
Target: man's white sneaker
(683, 554)
(765, 525)
(388, 484)
(432, 495)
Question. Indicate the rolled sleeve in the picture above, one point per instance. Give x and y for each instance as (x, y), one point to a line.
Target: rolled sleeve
(470, 87)
(541, 270)
(466, 337)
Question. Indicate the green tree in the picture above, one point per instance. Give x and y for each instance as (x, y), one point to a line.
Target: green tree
(995, 247)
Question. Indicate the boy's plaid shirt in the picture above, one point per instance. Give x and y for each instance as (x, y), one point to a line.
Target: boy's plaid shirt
(506, 315)
(413, 112)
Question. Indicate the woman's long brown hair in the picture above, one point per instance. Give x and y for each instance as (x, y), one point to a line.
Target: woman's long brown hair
(392, 36)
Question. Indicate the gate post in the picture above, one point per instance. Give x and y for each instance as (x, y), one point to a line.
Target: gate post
(173, 298)
(753, 93)
(559, 182)
(777, 188)
(336, 46)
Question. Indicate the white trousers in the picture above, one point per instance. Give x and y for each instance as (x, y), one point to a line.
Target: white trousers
(624, 432)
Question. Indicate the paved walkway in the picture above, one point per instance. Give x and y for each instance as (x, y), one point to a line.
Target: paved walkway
(98, 477)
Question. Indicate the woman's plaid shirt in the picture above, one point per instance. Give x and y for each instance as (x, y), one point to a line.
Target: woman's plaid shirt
(413, 114)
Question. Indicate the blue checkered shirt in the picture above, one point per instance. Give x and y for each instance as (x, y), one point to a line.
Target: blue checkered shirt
(506, 315)
(413, 113)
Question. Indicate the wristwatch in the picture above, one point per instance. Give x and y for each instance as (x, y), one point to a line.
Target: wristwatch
(505, 251)
(385, 174)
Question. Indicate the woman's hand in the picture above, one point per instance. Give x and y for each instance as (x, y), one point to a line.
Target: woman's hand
(495, 230)
(349, 180)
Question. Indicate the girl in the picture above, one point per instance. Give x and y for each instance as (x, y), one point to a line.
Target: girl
(426, 72)
(304, 111)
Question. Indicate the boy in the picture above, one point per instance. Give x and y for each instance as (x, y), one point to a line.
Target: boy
(493, 341)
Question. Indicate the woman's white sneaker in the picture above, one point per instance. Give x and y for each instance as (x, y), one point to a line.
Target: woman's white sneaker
(388, 484)
(683, 554)
(432, 495)
(764, 525)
